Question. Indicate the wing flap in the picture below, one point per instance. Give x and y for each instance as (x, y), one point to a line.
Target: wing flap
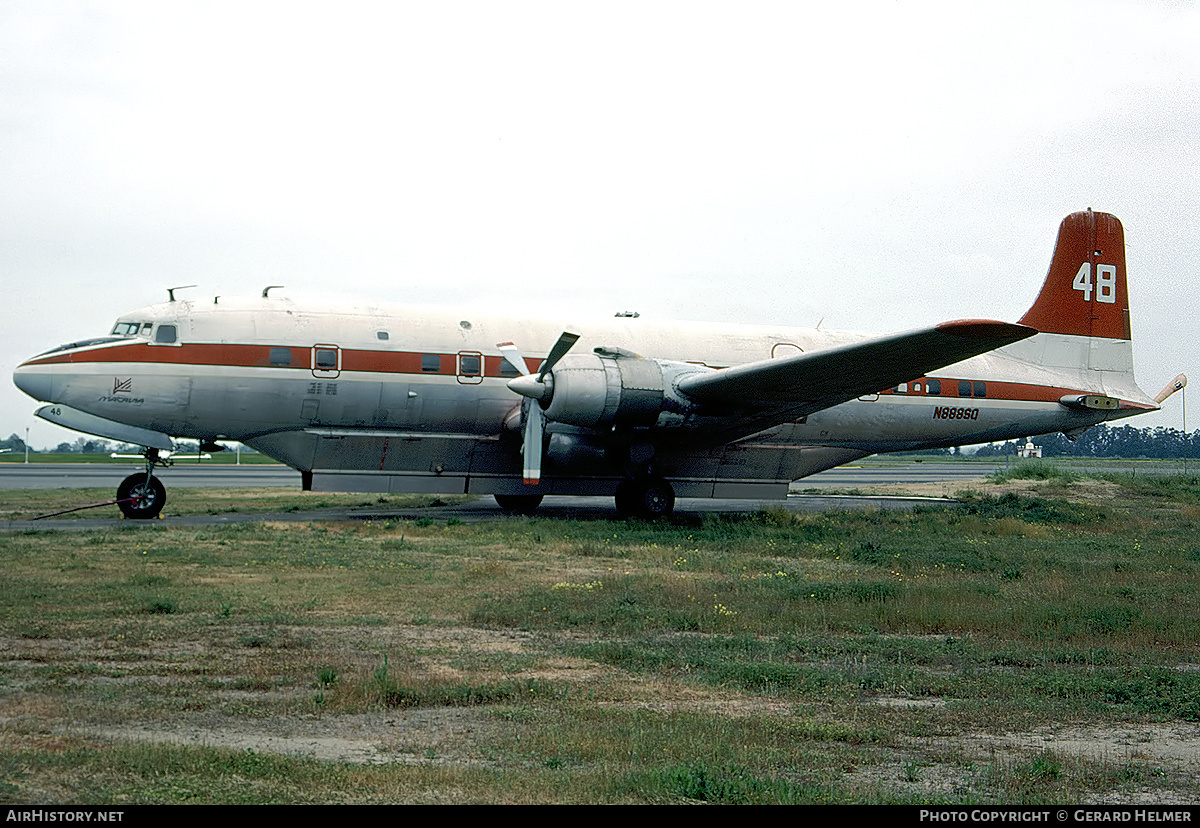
(810, 382)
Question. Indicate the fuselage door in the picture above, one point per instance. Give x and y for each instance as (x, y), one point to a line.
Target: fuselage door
(470, 367)
(326, 361)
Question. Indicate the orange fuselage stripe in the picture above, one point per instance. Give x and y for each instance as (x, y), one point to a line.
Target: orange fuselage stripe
(410, 363)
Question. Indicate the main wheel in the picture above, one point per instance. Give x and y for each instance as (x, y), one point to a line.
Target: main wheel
(647, 499)
(518, 504)
(141, 497)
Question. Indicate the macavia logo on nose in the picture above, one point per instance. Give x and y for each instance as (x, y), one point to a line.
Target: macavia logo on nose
(125, 385)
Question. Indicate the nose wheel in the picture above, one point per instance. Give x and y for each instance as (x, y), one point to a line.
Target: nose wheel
(142, 496)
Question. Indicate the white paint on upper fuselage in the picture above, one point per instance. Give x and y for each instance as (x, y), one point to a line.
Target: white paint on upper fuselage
(445, 329)
(1045, 359)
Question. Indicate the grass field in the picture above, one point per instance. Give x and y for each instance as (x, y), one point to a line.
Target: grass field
(1035, 644)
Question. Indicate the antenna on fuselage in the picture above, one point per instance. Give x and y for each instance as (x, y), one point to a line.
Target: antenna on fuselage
(270, 288)
(171, 291)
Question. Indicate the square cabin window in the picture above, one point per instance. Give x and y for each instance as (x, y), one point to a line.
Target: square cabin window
(326, 359)
(431, 363)
(281, 357)
(933, 387)
(964, 388)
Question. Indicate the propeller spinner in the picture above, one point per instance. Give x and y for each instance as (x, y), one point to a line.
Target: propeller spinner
(537, 389)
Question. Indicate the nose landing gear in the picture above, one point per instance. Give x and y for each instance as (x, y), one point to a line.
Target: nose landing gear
(141, 496)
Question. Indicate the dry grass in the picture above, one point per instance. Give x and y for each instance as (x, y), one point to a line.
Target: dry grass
(1018, 650)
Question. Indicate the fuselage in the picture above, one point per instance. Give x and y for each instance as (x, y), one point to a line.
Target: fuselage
(393, 398)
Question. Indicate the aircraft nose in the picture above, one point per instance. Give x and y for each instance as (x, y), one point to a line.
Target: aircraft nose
(35, 380)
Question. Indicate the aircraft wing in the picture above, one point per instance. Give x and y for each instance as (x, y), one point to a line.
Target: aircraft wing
(777, 389)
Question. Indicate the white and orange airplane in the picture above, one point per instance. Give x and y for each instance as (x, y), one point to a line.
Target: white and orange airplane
(441, 400)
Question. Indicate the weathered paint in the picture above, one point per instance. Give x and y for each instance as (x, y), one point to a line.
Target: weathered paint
(408, 398)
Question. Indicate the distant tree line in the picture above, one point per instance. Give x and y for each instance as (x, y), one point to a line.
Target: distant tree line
(1102, 441)
(13, 443)
(92, 445)
(1158, 442)
(83, 445)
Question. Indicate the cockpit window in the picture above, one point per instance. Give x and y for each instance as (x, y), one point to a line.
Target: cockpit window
(132, 328)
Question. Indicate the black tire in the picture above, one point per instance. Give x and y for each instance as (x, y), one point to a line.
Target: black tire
(646, 499)
(518, 504)
(141, 497)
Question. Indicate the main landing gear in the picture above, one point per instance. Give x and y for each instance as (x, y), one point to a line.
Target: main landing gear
(648, 498)
(141, 496)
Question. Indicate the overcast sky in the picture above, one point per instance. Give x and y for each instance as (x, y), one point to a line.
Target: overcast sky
(875, 165)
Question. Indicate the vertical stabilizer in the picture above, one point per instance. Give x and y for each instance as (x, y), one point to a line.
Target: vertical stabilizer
(1085, 293)
(1082, 311)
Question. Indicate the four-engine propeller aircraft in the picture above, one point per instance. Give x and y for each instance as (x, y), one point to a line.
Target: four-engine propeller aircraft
(415, 399)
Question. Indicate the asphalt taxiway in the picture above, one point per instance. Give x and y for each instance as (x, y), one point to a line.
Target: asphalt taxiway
(230, 476)
(66, 475)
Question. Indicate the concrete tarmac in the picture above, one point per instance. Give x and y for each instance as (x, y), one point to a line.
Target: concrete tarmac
(228, 476)
(807, 496)
(484, 508)
(66, 475)
(110, 475)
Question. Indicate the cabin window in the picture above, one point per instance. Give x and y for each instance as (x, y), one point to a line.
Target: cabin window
(507, 369)
(431, 363)
(281, 357)
(979, 389)
(468, 364)
(327, 359)
(934, 386)
(165, 334)
(964, 388)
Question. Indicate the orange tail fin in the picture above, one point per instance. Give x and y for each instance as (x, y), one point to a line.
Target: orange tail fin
(1085, 292)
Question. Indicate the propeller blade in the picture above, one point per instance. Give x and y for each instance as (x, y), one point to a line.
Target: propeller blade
(527, 385)
(565, 341)
(514, 356)
(535, 422)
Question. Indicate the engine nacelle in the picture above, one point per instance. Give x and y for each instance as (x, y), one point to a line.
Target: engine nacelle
(615, 388)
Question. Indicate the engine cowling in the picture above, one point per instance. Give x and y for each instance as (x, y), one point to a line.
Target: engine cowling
(609, 388)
